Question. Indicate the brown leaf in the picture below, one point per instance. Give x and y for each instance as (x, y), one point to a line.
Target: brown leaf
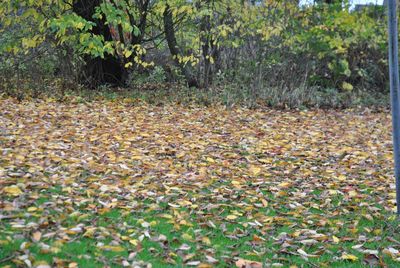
(371, 260)
(242, 263)
(36, 236)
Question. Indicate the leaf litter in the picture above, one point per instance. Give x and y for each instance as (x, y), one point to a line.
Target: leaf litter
(129, 184)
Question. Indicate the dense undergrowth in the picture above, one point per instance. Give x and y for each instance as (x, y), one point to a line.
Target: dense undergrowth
(275, 54)
(228, 96)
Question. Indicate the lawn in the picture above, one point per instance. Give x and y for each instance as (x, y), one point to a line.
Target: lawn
(124, 183)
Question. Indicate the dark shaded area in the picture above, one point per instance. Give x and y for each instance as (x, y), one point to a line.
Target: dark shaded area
(98, 71)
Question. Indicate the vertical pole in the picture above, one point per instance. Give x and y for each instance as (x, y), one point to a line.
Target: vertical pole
(394, 90)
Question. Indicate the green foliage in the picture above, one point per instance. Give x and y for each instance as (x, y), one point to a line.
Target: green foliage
(342, 45)
(155, 77)
(249, 47)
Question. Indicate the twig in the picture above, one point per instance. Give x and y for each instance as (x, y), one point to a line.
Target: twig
(7, 258)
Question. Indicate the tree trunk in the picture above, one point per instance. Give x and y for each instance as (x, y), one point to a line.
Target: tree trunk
(205, 28)
(174, 49)
(98, 71)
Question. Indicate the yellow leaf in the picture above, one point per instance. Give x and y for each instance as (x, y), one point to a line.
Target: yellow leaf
(284, 184)
(264, 202)
(32, 209)
(231, 217)
(133, 242)
(377, 232)
(349, 257)
(127, 53)
(89, 232)
(210, 160)
(206, 240)
(204, 265)
(20, 157)
(29, 43)
(166, 216)
(180, 155)
(187, 236)
(335, 239)
(264, 160)
(137, 157)
(353, 193)
(347, 86)
(255, 170)
(79, 25)
(12, 190)
(113, 248)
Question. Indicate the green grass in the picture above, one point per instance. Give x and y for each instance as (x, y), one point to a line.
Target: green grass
(223, 239)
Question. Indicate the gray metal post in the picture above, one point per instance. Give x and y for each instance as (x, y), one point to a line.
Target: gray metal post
(395, 91)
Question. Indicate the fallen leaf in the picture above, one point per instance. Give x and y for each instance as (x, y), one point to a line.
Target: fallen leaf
(349, 257)
(73, 265)
(371, 260)
(113, 248)
(335, 239)
(242, 263)
(231, 217)
(255, 170)
(12, 190)
(36, 236)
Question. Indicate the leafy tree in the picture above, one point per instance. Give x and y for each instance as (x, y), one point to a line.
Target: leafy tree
(263, 43)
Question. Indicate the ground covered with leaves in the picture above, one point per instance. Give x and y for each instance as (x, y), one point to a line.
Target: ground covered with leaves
(123, 183)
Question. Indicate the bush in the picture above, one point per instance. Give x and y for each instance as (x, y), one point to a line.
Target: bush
(249, 52)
